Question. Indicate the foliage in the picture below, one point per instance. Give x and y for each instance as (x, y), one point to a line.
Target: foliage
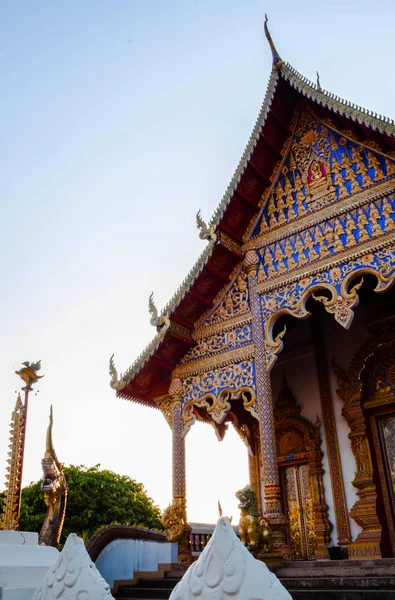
(96, 498)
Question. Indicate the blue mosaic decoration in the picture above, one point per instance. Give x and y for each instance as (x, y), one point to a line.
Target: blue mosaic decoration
(342, 298)
(322, 167)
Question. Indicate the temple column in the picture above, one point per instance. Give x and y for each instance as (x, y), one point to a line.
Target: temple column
(254, 471)
(179, 474)
(178, 445)
(270, 473)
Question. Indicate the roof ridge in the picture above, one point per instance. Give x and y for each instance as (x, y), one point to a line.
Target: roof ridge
(353, 111)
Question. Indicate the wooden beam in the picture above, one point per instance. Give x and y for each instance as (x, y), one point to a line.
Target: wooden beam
(274, 117)
(245, 200)
(200, 298)
(262, 178)
(181, 321)
(162, 363)
(269, 146)
(220, 276)
(183, 339)
(231, 233)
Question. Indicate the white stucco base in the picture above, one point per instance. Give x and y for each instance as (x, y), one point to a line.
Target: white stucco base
(225, 569)
(122, 558)
(23, 564)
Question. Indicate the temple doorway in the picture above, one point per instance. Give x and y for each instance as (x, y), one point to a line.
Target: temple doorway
(379, 408)
(298, 508)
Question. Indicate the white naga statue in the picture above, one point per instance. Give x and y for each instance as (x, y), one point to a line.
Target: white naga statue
(226, 570)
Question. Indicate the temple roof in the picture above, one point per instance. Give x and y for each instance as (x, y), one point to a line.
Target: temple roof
(215, 270)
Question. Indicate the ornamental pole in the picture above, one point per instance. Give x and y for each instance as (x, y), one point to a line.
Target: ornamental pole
(12, 504)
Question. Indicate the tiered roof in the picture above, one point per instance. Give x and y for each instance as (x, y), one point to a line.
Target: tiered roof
(215, 270)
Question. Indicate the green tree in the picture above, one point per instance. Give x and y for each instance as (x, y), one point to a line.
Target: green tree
(96, 498)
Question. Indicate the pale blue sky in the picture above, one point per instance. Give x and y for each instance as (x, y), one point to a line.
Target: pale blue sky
(120, 119)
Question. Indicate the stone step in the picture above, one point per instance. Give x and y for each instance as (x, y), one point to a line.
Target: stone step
(335, 564)
(342, 594)
(340, 572)
(168, 582)
(339, 583)
(146, 593)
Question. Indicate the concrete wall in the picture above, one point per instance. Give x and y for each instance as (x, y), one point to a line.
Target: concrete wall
(122, 558)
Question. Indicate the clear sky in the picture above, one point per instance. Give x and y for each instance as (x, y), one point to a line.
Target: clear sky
(119, 120)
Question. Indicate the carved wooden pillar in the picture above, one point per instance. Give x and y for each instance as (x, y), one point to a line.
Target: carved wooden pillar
(322, 525)
(364, 512)
(270, 474)
(179, 473)
(254, 470)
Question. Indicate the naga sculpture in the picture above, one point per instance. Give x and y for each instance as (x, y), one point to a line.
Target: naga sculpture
(206, 233)
(254, 530)
(156, 320)
(54, 489)
(174, 521)
(115, 383)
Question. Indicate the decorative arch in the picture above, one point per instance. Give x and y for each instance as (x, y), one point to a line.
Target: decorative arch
(350, 390)
(218, 406)
(291, 298)
(300, 438)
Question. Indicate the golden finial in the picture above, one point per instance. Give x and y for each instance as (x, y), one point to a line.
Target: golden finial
(319, 88)
(277, 62)
(29, 372)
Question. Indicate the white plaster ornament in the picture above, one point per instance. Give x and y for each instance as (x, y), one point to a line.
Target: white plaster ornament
(226, 570)
(73, 576)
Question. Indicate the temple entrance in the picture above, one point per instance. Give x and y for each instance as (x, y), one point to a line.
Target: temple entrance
(298, 508)
(299, 458)
(379, 409)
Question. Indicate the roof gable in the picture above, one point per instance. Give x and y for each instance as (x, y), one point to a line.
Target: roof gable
(295, 186)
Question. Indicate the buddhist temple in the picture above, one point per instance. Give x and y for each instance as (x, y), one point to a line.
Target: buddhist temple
(285, 326)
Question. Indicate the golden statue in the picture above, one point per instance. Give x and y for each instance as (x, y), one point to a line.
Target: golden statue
(254, 530)
(174, 520)
(29, 372)
(54, 489)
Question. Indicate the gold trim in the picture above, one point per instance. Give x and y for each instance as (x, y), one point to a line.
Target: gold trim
(344, 256)
(216, 360)
(223, 326)
(325, 213)
(381, 469)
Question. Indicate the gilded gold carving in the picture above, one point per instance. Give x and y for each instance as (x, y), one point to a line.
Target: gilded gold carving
(298, 437)
(221, 342)
(221, 360)
(367, 544)
(234, 302)
(221, 327)
(165, 405)
(174, 520)
(54, 489)
(254, 530)
(218, 405)
(28, 373)
(324, 214)
(11, 508)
